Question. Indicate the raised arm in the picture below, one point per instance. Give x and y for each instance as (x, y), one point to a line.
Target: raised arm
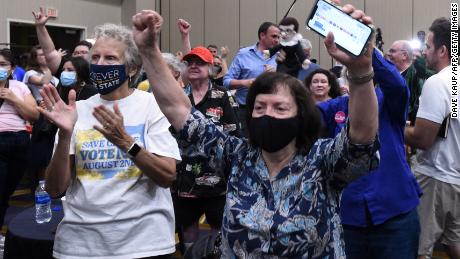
(40, 79)
(363, 109)
(224, 54)
(53, 57)
(61, 167)
(172, 100)
(184, 28)
(393, 86)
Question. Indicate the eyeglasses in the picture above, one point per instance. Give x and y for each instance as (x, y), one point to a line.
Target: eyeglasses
(288, 30)
(395, 50)
(198, 63)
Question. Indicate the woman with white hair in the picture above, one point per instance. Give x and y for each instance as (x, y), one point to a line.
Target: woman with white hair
(176, 67)
(114, 159)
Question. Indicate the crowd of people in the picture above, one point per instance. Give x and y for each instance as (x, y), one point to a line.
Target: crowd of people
(285, 159)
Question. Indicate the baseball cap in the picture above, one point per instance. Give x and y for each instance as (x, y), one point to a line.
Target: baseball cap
(201, 52)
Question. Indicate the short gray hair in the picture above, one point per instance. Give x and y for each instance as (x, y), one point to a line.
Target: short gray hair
(408, 48)
(173, 62)
(123, 34)
(305, 43)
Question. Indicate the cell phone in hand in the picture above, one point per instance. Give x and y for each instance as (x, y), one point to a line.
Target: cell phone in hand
(350, 34)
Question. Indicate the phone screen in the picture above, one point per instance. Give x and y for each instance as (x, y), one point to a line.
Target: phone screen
(350, 34)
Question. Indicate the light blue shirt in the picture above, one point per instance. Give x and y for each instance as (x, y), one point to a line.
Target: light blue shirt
(303, 73)
(248, 63)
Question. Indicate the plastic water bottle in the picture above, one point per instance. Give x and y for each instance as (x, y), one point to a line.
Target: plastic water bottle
(42, 204)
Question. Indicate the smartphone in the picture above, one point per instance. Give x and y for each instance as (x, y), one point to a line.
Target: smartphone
(349, 34)
(444, 129)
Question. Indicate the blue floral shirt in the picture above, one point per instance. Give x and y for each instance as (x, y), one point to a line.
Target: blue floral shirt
(295, 215)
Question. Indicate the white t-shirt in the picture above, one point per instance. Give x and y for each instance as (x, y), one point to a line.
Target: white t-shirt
(112, 210)
(35, 89)
(442, 160)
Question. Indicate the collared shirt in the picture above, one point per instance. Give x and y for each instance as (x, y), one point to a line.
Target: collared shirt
(294, 215)
(196, 176)
(391, 189)
(248, 63)
(303, 73)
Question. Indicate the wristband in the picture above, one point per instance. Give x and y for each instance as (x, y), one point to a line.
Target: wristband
(358, 80)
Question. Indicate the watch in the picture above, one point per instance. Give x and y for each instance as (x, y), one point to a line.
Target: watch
(133, 150)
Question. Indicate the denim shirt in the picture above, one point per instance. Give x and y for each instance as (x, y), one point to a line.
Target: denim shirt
(391, 189)
(294, 215)
(248, 63)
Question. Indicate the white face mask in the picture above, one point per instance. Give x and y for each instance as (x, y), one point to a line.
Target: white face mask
(68, 78)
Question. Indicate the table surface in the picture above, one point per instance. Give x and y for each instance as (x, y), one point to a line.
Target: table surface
(25, 226)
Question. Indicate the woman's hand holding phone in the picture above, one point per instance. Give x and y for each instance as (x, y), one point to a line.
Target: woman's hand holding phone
(356, 65)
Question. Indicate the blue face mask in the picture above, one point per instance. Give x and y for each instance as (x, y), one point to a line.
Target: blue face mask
(4, 73)
(107, 78)
(68, 78)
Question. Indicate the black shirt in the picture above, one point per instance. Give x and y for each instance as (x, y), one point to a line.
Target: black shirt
(196, 177)
(84, 93)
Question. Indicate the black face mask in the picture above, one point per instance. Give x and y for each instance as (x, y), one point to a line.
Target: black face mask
(272, 134)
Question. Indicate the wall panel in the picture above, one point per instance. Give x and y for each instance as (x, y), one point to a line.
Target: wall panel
(221, 24)
(166, 28)
(128, 9)
(145, 5)
(426, 11)
(252, 14)
(191, 11)
(70, 12)
(395, 23)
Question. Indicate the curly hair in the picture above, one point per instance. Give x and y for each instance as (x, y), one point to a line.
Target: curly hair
(123, 34)
(334, 91)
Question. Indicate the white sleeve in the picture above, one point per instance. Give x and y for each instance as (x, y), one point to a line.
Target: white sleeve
(28, 74)
(54, 81)
(434, 100)
(158, 138)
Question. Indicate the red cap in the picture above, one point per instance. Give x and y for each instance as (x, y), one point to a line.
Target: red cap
(201, 52)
